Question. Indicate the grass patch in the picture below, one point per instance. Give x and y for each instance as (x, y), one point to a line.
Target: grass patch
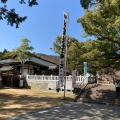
(20, 101)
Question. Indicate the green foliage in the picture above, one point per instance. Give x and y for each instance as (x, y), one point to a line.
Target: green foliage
(57, 45)
(10, 15)
(71, 55)
(2, 55)
(22, 53)
(103, 23)
(4, 51)
(90, 51)
(87, 3)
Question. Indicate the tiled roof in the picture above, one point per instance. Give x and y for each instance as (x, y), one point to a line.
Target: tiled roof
(34, 60)
(43, 62)
(6, 61)
(6, 68)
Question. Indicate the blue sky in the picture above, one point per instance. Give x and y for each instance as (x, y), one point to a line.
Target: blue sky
(43, 24)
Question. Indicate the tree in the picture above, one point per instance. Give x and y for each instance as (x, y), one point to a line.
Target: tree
(22, 53)
(57, 45)
(102, 22)
(10, 15)
(71, 42)
(89, 51)
(2, 54)
(4, 51)
(87, 3)
(73, 54)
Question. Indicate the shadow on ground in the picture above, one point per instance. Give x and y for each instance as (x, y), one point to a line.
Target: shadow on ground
(76, 111)
(102, 94)
(17, 101)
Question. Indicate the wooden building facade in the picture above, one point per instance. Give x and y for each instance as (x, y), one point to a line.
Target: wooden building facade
(10, 70)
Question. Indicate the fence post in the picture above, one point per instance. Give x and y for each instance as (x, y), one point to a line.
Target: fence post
(42, 77)
(26, 77)
(35, 77)
(51, 76)
(69, 78)
(80, 78)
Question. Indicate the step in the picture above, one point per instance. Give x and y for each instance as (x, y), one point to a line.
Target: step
(113, 103)
(101, 94)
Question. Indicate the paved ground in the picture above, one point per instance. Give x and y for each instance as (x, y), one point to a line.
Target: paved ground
(74, 111)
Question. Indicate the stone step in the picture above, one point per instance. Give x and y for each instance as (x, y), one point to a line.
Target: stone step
(105, 102)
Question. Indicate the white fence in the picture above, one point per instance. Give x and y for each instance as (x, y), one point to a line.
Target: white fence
(79, 79)
(38, 80)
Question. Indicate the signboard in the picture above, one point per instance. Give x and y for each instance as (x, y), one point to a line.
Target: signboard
(92, 80)
(73, 78)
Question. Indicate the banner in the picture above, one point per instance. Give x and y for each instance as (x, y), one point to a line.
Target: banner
(61, 77)
(62, 53)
